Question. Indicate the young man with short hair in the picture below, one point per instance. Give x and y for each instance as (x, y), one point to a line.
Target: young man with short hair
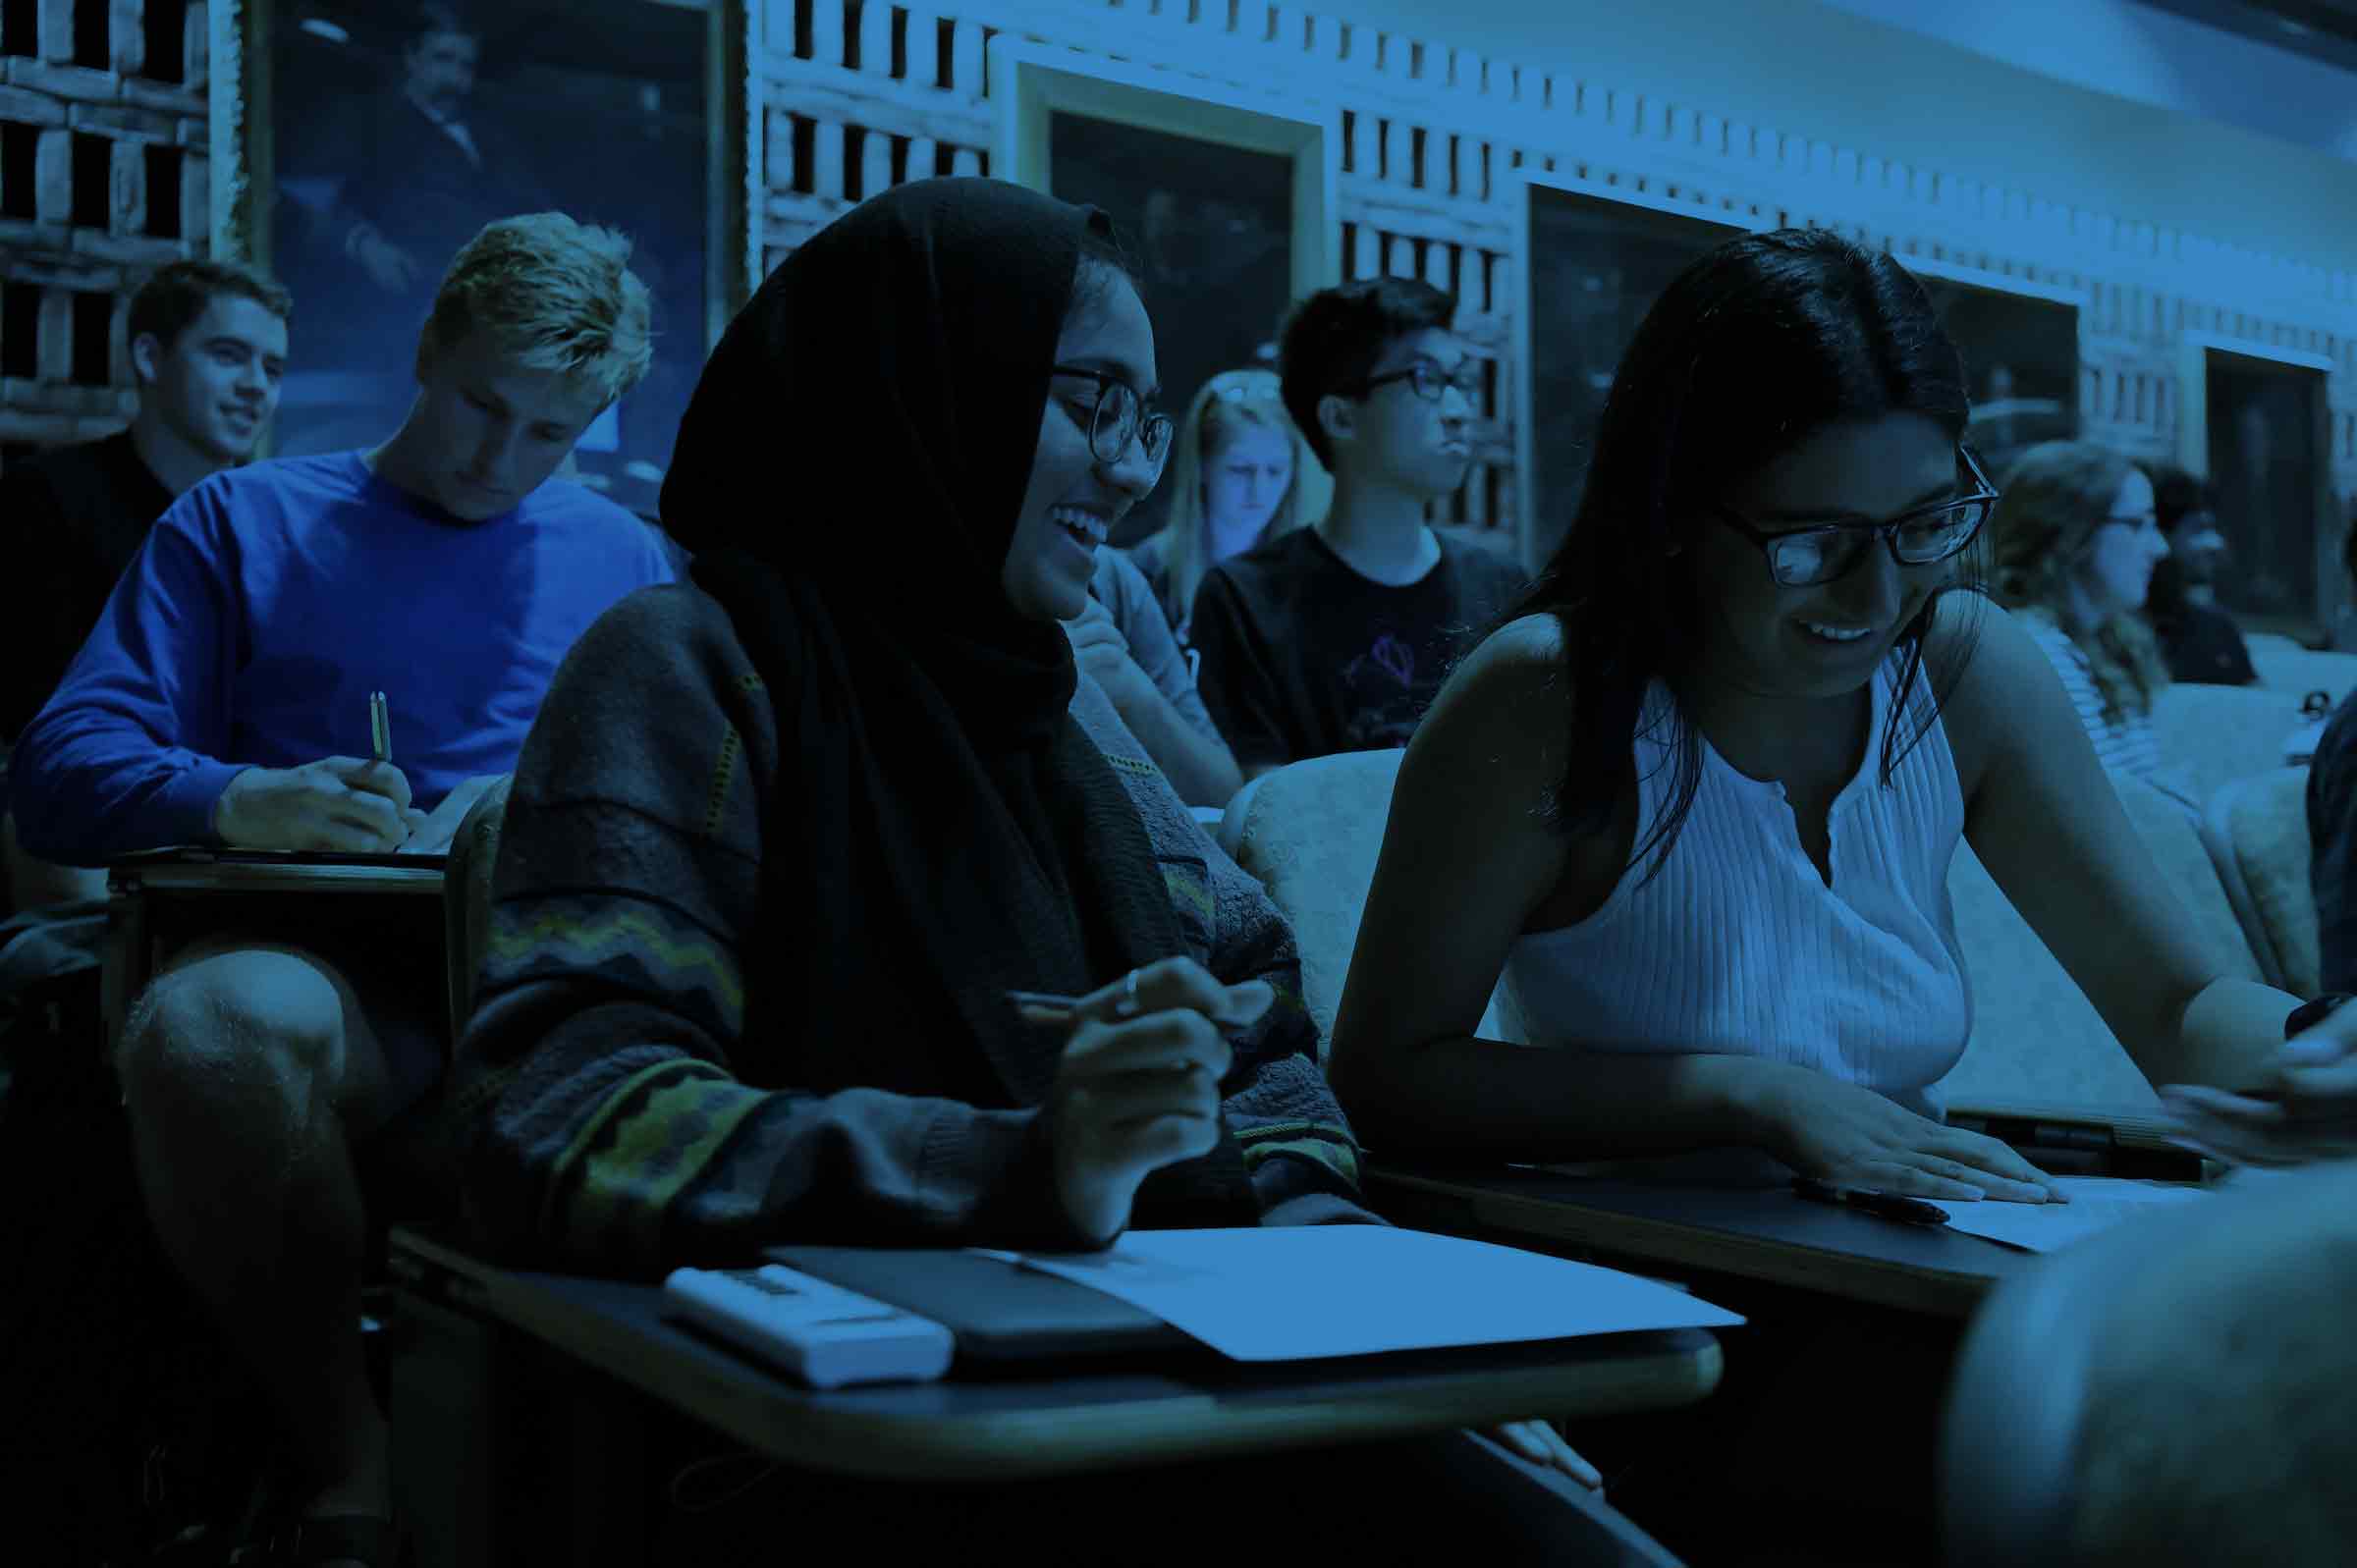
(209, 344)
(223, 699)
(2202, 642)
(1336, 637)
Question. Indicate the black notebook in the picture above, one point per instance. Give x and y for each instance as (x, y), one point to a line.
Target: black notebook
(997, 1311)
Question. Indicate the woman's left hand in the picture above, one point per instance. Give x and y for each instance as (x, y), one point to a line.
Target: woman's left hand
(1539, 1442)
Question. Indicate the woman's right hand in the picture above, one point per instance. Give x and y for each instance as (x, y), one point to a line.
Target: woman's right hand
(1138, 1086)
(1854, 1137)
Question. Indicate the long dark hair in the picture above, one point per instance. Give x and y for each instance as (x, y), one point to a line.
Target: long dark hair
(1761, 343)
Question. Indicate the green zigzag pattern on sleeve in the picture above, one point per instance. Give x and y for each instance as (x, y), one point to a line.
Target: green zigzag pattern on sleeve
(650, 1138)
(556, 938)
(1187, 886)
(1311, 1140)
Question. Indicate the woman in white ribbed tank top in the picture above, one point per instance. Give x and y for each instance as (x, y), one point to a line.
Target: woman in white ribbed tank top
(1697, 800)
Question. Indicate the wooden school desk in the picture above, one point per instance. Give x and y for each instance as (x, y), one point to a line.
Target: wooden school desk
(1763, 1232)
(166, 897)
(459, 1322)
(1758, 1233)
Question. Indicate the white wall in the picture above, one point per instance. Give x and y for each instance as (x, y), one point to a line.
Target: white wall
(1805, 67)
(2149, 56)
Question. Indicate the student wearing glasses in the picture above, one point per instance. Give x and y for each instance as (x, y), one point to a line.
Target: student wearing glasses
(2076, 544)
(1336, 637)
(1696, 800)
(783, 838)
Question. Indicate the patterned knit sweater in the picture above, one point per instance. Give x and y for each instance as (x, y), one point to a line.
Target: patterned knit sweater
(615, 1114)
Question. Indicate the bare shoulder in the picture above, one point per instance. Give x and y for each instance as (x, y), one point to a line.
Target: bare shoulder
(1504, 708)
(1981, 656)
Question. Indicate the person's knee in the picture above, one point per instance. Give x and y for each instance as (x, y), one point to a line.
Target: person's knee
(232, 1027)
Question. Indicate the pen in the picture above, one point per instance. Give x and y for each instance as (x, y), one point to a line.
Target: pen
(380, 728)
(1888, 1205)
(1048, 1006)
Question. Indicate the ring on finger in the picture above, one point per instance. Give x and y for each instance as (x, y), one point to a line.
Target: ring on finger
(1127, 1004)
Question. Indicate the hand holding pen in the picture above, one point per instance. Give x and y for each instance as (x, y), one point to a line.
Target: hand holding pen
(337, 804)
(1138, 1084)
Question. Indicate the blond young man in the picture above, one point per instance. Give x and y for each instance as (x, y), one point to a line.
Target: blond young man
(223, 699)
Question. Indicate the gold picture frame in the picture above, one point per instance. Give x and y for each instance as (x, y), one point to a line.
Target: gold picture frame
(246, 132)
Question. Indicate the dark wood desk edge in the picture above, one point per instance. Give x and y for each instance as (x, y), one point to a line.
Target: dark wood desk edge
(1438, 1202)
(243, 877)
(802, 1430)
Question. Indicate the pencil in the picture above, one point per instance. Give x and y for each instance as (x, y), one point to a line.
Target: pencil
(1043, 1006)
(380, 728)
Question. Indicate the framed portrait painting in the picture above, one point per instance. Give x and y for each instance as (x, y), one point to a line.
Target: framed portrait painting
(2254, 421)
(359, 144)
(2020, 344)
(1596, 258)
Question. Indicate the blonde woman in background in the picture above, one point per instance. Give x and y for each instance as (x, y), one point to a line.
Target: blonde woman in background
(2077, 542)
(1234, 485)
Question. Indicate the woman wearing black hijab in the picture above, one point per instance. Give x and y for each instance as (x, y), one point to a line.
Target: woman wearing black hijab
(783, 839)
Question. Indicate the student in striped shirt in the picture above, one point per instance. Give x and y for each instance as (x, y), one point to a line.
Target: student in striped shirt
(2076, 541)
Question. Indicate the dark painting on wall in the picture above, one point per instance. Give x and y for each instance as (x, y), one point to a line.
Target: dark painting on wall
(1595, 267)
(2264, 419)
(2021, 366)
(397, 131)
(1212, 226)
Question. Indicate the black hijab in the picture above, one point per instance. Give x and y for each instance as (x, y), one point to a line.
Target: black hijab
(848, 475)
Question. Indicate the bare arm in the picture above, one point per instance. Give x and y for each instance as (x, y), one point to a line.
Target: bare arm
(2041, 815)
(1199, 766)
(1465, 860)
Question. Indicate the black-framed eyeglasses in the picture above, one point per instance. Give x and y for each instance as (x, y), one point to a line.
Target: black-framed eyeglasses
(1426, 379)
(1804, 558)
(1119, 417)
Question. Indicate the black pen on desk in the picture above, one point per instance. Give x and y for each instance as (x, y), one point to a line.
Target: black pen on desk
(1888, 1205)
(380, 728)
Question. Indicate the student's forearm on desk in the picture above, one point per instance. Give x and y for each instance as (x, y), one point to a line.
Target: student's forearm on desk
(1198, 768)
(1471, 1096)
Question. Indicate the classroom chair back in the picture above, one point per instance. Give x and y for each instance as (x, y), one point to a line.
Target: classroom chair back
(2258, 831)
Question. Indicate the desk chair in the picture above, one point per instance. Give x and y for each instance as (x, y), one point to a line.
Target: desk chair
(2300, 671)
(2258, 834)
(466, 899)
(1311, 833)
(412, 1163)
(2035, 1036)
(2212, 735)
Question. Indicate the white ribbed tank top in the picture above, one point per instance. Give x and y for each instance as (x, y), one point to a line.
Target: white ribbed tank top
(1739, 947)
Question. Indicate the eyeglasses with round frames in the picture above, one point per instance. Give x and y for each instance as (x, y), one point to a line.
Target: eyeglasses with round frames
(1119, 417)
(1426, 379)
(1807, 558)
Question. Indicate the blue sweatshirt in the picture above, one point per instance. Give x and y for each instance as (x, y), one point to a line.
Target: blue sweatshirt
(266, 605)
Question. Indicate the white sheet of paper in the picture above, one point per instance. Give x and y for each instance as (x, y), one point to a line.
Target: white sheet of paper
(2097, 1202)
(1288, 1292)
